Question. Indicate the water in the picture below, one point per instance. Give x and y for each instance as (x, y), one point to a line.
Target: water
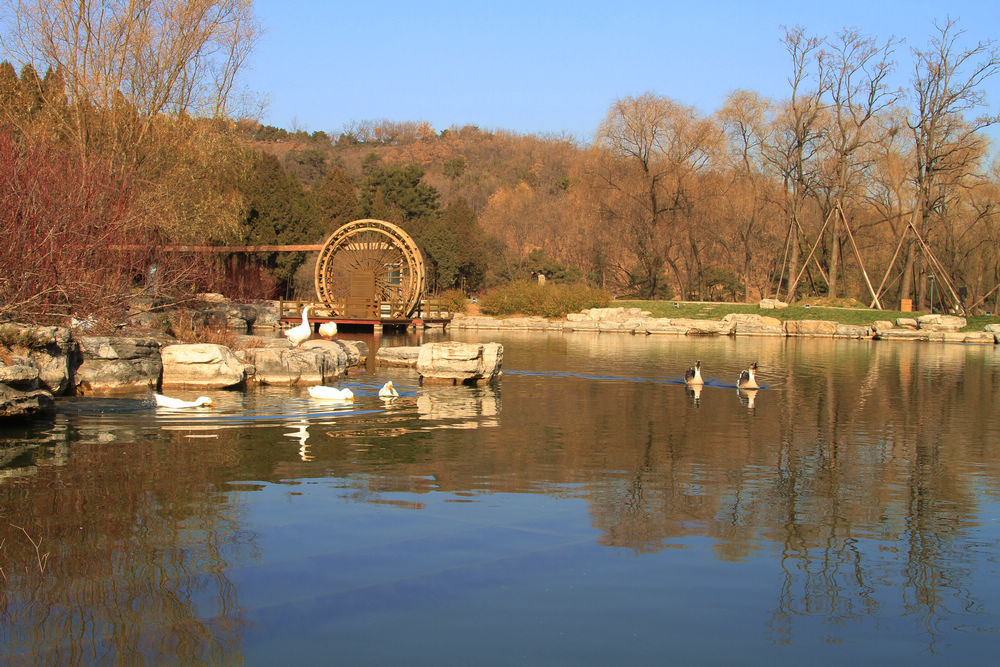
(586, 509)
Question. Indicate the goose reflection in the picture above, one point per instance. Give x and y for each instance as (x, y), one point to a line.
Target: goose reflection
(748, 397)
(301, 433)
(694, 391)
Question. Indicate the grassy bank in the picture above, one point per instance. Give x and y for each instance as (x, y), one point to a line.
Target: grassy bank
(716, 311)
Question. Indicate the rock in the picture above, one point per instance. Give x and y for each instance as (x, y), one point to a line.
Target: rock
(980, 338)
(814, 328)
(398, 357)
(314, 362)
(662, 325)
(21, 375)
(476, 322)
(903, 334)
(201, 365)
(906, 323)
(18, 404)
(852, 331)
(453, 362)
(936, 322)
(704, 327)
(618, 314)
(881, 325)
(992, 328)
(266, 315)
(48, 349)
(110, 365)
(582, 325)
(340, 354)
(758, 325)
(771, 304)
(287, 366)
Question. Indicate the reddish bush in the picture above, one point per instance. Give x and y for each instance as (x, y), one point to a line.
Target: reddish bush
(73, 242)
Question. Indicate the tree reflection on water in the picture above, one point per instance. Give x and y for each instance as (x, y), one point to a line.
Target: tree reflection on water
(858, 475)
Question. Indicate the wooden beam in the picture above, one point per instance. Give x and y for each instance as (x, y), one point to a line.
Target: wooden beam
(244, 248)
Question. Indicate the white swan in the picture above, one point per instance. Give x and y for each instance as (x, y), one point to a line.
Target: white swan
(331, 393)
(302, 332)
(168, 402)
(388, 391)
(328, 329)
(748, 379)
(693, 375)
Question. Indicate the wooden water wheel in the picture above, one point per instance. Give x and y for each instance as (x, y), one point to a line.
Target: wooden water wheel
(370, 269)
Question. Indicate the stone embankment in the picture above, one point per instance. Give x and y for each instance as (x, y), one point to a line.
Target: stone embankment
(934, 328)
(40, 363)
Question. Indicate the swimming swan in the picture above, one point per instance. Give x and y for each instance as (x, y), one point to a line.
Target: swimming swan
(748, 379)
(388, 391)
(331, 393)
(297, 335)
(168, 402)
(328, 329)
(693, 374)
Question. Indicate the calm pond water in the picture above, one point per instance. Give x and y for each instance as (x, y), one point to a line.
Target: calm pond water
(586, 509)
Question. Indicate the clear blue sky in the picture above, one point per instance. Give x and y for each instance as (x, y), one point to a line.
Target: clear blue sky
(553, 67)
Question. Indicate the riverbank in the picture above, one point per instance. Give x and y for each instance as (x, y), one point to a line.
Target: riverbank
(748, 320)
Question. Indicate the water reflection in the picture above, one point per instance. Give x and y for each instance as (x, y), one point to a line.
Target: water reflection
(854, 494)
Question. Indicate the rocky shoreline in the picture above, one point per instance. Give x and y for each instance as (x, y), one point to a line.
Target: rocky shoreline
(926, 328)
(39, 363)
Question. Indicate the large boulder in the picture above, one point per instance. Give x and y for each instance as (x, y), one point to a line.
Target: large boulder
(314, 362)
(111, 365)
(399, 357)
(454, 363)
(937, 322)
(47, 348)
(757, 325)
(811, 328)
(201, 365)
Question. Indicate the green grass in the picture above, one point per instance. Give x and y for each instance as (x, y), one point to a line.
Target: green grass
(716, 311)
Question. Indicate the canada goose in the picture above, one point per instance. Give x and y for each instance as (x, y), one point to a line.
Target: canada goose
(693, 374)
(297, 335)
(328, 329)
(331, 393)
(388, 391)
(168, 402)
(748, 379)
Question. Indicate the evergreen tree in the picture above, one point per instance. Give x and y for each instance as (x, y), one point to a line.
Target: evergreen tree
(454, 247)
(336, 200)
(31, 91)
(399, 188)
(279, 212)
(10, 92)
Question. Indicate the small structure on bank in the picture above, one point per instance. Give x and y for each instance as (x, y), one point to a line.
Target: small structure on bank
(369, 270)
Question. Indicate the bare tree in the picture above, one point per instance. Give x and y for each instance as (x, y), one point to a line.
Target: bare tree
(947, 90)
(795, 142)
(653, 148)
(856, 70)
(126, 65)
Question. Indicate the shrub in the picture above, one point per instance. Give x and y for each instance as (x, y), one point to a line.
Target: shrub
(452, 300)
(526, 297)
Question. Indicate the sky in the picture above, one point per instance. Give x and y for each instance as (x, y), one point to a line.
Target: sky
(554, 68)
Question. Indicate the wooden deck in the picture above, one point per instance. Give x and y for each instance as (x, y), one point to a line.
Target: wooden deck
(431, 314)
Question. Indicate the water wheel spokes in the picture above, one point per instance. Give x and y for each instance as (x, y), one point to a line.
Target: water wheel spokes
(370, 269)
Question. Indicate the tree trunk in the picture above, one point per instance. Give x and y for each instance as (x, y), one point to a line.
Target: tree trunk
(834, 258)
(793, 261)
